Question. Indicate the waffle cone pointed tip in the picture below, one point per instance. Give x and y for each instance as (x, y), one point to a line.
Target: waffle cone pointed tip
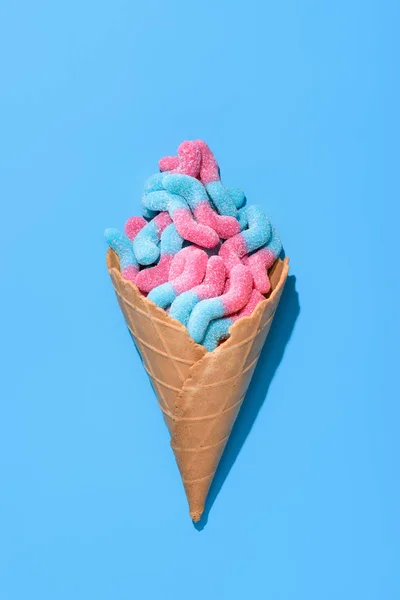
(196, 516)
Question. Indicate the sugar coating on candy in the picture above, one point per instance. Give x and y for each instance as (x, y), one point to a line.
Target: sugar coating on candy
(219, 328)
(216, 331)
(237, 196)
(193, 271)
(168, 163)
(190, 188)
(250, 239)
(225, 227)
(221, 198)
(163, 295)
(209, 167)
(133, 226)
(178, 262)
(232, 250)
(152, 184)
(241, 285)
(181, 214)
(198, 201)
(194, 232)
(255, 298)
(130, 272)
(226, 200)
(195, 263)
(242, 218)
(122, 246)
(210, 178)
(170, 244)
(145, 244)
(187, 162)
(259, 230)
(211, 287)
(262, 260)
(148, 279)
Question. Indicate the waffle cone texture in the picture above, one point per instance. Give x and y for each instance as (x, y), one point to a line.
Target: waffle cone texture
(200, 393)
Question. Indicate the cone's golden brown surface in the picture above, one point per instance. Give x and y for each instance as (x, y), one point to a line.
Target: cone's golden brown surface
(200, 393)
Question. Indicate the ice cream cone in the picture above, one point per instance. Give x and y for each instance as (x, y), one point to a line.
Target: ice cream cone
(200, 393)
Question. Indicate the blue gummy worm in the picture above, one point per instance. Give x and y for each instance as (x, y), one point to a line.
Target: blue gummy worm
(145, 244)
(238, 196)
(163, 200)
(204, 312)
(217, 329)
(222, 200)
(183, 305)
(242, 218)
(163, 295)
(192, 190)
(259, 230)
(122, 245)
(274, 245)
(152, 184)
(171, 241)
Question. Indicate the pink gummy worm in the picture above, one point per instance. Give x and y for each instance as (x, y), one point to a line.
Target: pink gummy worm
(169, 163)
(255, 298)
(214, 279)
(192, 231)
(133, 226)
(226, 227)
(233, 250)
(130, 272)
(178, 262)
(258, 263)
(209, 167)
(241, 285)
(193, 271)
(148, 279)
(186, 163)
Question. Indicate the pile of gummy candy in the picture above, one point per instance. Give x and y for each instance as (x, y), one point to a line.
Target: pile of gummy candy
(199, 252)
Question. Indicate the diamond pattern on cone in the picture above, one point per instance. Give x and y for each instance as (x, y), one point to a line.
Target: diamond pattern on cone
(200, 393)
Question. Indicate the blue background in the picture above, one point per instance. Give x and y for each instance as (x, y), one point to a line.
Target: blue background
(299, 100)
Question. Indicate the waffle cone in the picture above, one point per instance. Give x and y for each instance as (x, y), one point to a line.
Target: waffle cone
(200, 393)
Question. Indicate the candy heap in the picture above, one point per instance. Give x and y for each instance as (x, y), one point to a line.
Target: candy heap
(199, 252)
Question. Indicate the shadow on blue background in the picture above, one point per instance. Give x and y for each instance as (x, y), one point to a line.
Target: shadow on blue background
(281, 329)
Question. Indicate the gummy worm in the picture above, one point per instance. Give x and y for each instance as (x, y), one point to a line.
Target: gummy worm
(122, 246)
(227, 200)
(181, 215)
(179, 261)
(233, 300)
(152, 184)
(187, 162)
(171, 242)
(145, 244)
(192, 275)
(262, 260)
(219, 328)
(210, 178)
(133, 226)
(211, 287)
(247, 241)
(196, 197)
